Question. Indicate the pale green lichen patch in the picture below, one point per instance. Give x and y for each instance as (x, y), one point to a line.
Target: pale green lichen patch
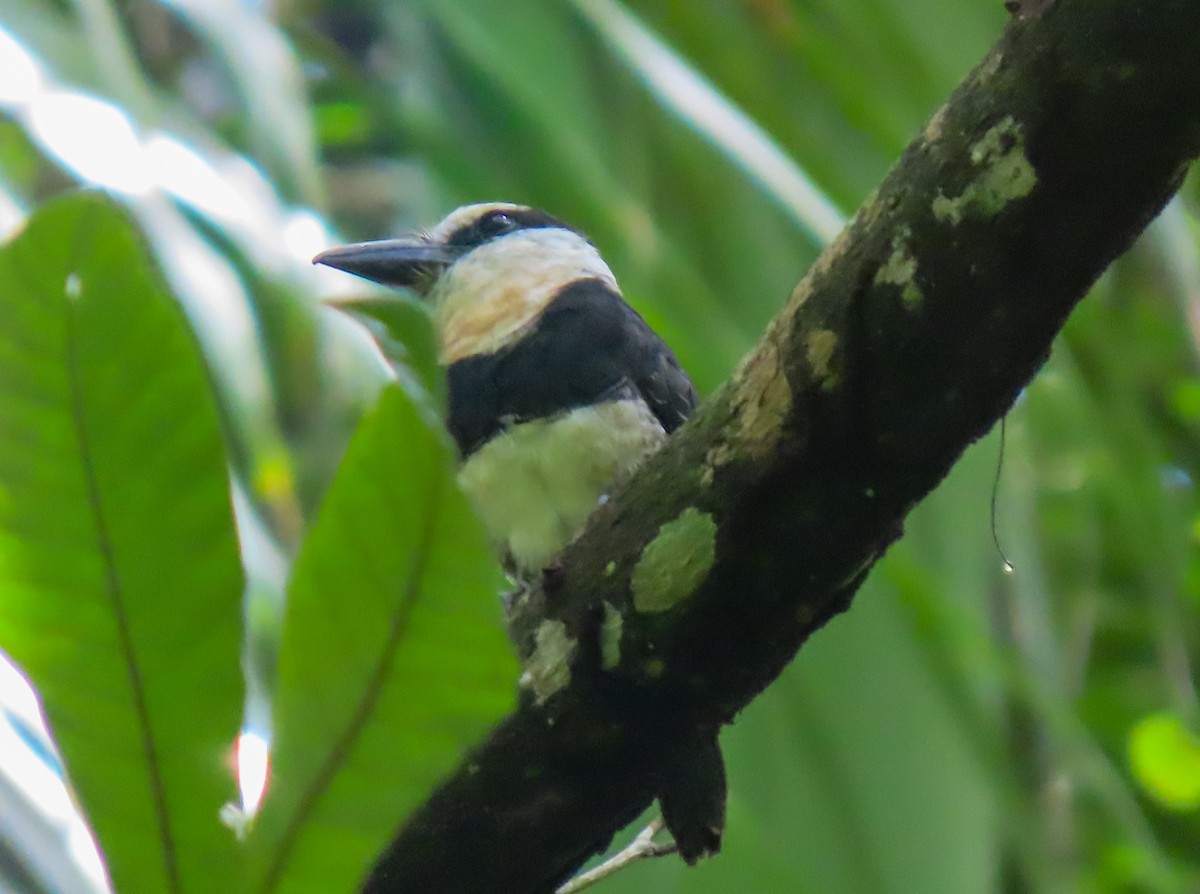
(935, 127)
(988, 68)
(549, 667)
(761, 402)
(946, 209)
(610, 637)
(900, 269)
(675, 562)
(769, 398)
(819, 347)
(1005, 175)
(654, 667)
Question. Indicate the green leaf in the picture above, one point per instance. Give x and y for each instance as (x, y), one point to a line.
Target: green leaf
(120, 582)
(393, 657)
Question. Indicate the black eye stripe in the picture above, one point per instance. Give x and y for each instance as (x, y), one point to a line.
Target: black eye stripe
(501, 222)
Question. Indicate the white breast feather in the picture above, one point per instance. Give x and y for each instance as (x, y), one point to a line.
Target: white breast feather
(535, 485)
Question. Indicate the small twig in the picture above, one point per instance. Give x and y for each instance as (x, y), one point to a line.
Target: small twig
(642, 847)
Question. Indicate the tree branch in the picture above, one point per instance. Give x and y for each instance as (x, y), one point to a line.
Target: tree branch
(695, 585)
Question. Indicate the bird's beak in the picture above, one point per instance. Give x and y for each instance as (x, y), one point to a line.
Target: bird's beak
(413, 263)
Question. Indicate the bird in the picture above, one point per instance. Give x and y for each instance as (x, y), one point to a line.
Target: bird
(557, 389)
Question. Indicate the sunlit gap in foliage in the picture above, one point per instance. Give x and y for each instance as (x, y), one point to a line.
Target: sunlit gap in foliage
(98, 142)
(686, 92)
(20, 76)
(253, 764)
(31, 772)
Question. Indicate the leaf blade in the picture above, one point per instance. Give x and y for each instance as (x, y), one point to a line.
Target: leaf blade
(380, 689)
(119, 576)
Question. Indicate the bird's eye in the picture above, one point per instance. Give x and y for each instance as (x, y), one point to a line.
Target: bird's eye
(497, 224)
(485, 228)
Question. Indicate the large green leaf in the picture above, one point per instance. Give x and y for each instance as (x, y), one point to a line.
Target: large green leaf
(393, 656)
(120, 583)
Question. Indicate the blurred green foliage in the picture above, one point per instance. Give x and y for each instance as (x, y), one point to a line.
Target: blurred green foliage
(962, 729)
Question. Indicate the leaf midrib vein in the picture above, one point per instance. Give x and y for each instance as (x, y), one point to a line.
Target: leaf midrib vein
(116, 598)
(345, 742)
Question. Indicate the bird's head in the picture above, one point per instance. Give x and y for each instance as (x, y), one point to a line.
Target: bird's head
(487, 269)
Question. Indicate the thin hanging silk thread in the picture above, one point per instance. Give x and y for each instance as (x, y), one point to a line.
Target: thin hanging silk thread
(1008, 566)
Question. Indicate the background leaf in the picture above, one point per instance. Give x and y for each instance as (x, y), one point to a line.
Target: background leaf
(119, 571)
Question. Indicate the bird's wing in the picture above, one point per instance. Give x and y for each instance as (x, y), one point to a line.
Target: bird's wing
(656, 372)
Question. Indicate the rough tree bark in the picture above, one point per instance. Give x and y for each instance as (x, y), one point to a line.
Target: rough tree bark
(696, 584)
